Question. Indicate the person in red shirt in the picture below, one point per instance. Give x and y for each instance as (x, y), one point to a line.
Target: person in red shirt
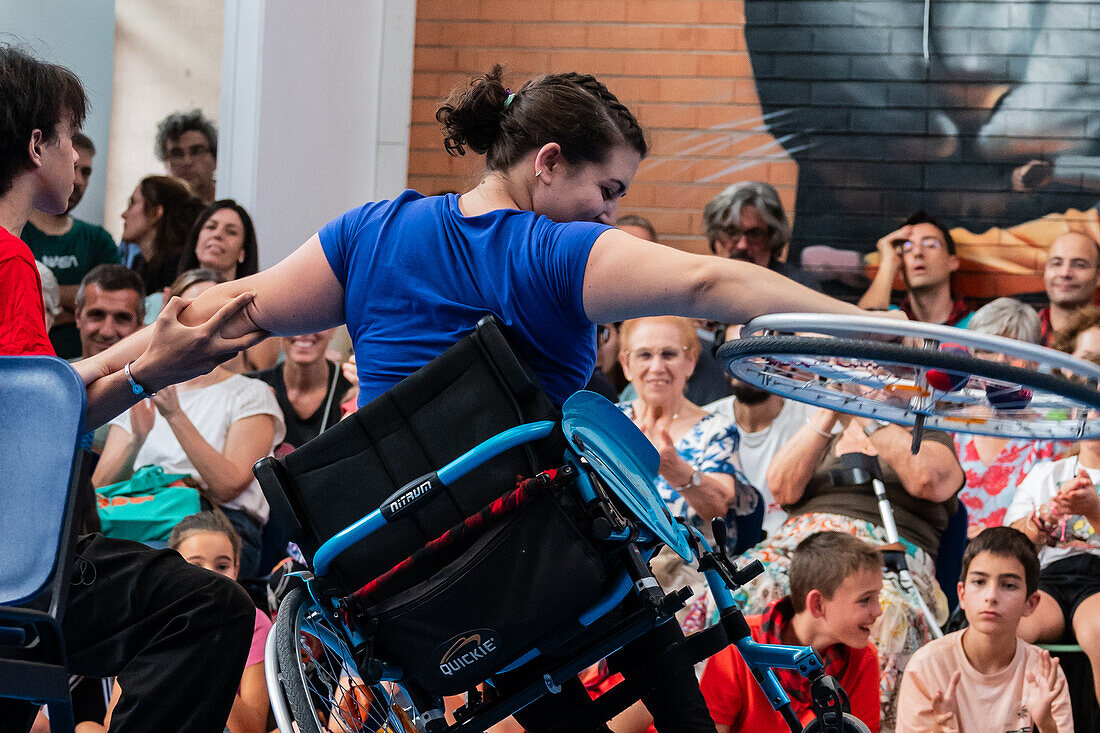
(146, 616)
(835, 584)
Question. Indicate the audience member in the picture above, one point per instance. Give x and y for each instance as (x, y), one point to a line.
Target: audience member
(984, 677)
(160, 213)
(208, 539)
(638, 226)
(994, 466)
(187, 143)
(70, 247)
(145, 616)
(747, 222)
(700, 476)
(765, 422)
(923, 251)
(921, 489)
(1058, 508)
(1081, 335)
(1070, 276)
(213, 428)
(223, 240)
(110, 305)
(833, 603)
(308, 388)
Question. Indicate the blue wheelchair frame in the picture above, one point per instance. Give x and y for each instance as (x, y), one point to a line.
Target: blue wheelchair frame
(722, 576)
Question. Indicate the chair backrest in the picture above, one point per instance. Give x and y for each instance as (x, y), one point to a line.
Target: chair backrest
(41, 422)
(472, 391)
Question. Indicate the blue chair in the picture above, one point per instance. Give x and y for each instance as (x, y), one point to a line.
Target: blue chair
(41, 422)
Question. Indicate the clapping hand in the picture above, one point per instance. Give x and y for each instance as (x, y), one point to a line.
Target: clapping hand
(142, 417)
(945, 707)
(1043, 687)
(167, 402)
(1077, 496)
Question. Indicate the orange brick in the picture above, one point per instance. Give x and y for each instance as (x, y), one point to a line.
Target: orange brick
(550, 35)
(589, 10)
(503, 10)
(664, 11)
(734, 64)
(451, 33)
(427, 58)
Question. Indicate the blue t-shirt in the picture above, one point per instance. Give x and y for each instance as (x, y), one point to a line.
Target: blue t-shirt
(418, 275)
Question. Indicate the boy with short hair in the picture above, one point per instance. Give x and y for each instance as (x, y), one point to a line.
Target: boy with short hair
(835, 584)
(983, 678)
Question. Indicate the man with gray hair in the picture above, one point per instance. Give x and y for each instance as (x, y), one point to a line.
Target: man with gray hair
(747, 222)
(187, 143)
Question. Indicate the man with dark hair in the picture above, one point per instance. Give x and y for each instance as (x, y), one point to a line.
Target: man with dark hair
(110, 305)
(187, 143)
(171, 632)
(924, 252)
(70, 247)
(747, 222)
(1071, 275)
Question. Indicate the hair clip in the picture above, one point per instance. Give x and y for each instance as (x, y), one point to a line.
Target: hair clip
(509, 98)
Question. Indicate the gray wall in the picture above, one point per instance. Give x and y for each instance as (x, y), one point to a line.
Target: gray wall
(80, 35)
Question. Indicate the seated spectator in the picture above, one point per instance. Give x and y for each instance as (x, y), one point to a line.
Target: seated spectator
(70, 247)
(923, 251)
(765, 422)
(835, 584)
(110, 305)
(308, 387)
(995, 466)
(223, 240)
(160, 213)
(747, 222)
(213, 428)
(984, 677)
(1070, 276)
(921, 489)
(208, 540)
(700, 477)
(639, 226)
(187, 142)
(1058, 508)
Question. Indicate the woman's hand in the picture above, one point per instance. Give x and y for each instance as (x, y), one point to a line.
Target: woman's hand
(1078, 496)
(673, 469)
(167, 403)
(142, 417)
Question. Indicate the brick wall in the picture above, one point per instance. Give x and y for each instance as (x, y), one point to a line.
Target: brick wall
(680, 65)
(858, 127)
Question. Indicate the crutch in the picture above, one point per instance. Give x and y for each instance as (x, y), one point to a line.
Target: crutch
(860, 468)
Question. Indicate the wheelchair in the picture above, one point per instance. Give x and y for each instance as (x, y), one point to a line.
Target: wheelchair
(501, 548)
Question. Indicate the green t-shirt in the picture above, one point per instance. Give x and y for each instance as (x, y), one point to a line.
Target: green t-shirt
(70, 257)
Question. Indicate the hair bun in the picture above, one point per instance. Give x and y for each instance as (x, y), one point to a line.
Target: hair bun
(471, 118)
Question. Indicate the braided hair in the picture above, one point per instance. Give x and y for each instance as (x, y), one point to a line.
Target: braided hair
(576, 111)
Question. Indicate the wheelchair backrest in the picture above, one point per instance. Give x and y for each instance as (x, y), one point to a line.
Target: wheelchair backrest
(472, 391)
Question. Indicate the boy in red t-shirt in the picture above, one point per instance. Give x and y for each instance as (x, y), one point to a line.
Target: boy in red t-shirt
(835, 584)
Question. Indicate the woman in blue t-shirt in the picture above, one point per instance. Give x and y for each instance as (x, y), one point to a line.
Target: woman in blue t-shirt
(532, 243)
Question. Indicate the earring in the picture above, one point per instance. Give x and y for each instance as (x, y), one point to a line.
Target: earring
(538, 173)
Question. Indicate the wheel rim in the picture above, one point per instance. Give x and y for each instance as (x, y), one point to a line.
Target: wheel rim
(890, 382)
(340, 700)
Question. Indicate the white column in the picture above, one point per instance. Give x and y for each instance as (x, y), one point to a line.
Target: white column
(314, 111)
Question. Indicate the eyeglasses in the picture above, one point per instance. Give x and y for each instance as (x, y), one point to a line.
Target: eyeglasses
(194, 151)
(906, 245)
(756, 234)
(667, 354)
(603, 333)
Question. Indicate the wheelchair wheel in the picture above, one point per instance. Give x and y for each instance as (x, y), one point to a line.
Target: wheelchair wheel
(322, 682)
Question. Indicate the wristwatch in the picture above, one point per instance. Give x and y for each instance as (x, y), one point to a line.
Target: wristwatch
(873, 426)
(695, 479)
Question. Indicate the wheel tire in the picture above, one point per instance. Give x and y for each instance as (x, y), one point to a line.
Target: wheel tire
(313, 675)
